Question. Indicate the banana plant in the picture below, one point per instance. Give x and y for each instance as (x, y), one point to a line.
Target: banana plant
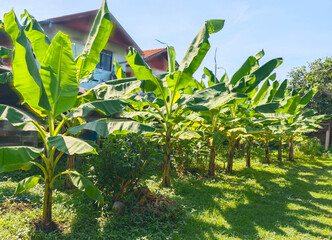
(300, 120)
(86, 61)
(223, 104)
(50, 90)
(168, 93)
(305, 121)
(290, 120)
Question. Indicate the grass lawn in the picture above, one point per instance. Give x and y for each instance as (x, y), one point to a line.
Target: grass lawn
(290, 201)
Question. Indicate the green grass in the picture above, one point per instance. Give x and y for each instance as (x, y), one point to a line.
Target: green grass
(289, 201)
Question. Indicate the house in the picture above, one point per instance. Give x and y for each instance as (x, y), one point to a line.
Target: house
(157, 60)
(77, 26)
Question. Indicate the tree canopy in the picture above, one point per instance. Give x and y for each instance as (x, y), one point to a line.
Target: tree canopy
(318, 74)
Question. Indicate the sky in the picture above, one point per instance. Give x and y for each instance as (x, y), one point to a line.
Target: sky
(299, 31)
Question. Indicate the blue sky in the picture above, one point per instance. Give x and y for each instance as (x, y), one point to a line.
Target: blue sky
(298, 31)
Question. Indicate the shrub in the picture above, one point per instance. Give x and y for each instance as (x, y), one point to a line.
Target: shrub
(191, 155)
(120, 163)
(311, 146)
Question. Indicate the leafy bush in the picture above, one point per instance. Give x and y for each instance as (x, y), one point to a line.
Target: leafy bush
(191, 155)
(120, 163)
(311, 146)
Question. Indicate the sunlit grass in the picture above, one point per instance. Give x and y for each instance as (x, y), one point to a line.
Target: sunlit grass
(287, 201)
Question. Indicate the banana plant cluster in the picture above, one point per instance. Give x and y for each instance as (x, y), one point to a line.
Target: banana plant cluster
(250, 104)
(50, 90)
(167, 95)
(224, 107)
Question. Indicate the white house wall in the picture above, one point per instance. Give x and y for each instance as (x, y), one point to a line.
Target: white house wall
(78, 43)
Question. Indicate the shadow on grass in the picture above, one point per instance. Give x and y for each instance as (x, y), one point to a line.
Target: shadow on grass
(271, 200)
(8, 194)
(85, 224)
(273, 203)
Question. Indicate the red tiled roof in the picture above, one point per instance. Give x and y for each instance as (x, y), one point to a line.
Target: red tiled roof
(152, 52)
(82, 22)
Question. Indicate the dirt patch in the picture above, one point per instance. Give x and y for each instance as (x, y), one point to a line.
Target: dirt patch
(38, 225)
(15, 205)
(157, 205)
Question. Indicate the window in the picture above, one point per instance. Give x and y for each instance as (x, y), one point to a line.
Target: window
(105, 62)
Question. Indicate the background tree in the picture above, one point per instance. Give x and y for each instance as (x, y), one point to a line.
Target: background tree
(318, 75)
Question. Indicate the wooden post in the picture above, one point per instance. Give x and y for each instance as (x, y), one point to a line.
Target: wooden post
(327, 137)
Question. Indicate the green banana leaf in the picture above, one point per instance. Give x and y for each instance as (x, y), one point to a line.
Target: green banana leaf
(58, 75)
(6, 77)
(188, 135)
(199, 47)
(27, 183)
(250, 65)
(209, 93)
(261, 92)
(70, 145)
(5, 52)
(263, 72)
(27, 80)
(98, 38)
(118, 88)
(143, 114)
(119, 73)
(18, 157)
(104, 128)
(86, 97)
(15, 116)
(279, 116)
(36, 35)
(280, 94)
(216, 102)
(171, 59)
(143, 72)
(290, 104)
(212, 78)
(268, 93)
(137, 102)
(106, 107)
(267, 107)
(271, 92)
(83, 184)
(217, 139)
(307, 98)
(195, 53)
(243, 70)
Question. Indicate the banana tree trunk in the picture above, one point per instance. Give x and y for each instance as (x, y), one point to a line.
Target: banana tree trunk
(267, 151)
(212, 163)
(229, 167)
(240, 149)
(47, 206)
(280, 150)
(166, 176)
(248, 156)
(70, 165)
(291, 149)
